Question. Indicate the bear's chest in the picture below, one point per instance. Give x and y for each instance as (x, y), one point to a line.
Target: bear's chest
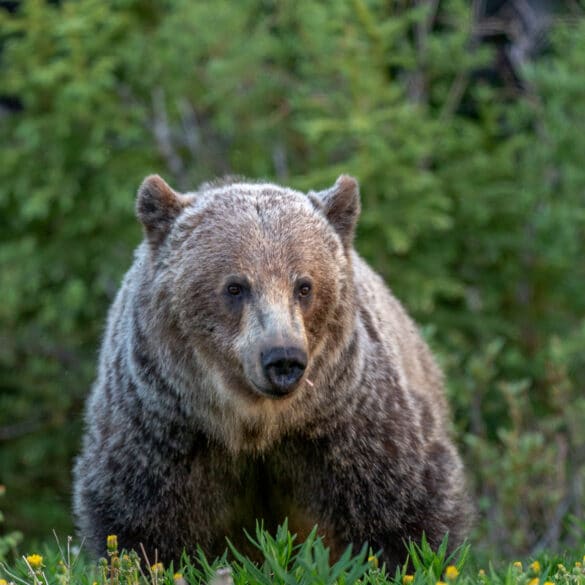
(279, 487)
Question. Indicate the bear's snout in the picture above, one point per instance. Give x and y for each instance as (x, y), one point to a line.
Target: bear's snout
(283, 368)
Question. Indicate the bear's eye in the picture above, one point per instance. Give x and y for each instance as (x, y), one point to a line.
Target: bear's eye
(304, 290)
(235, 290)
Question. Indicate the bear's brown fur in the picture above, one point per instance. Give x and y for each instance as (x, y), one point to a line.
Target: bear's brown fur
(254, 367)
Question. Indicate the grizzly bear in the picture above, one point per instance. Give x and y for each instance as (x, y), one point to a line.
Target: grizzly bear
(255, 367)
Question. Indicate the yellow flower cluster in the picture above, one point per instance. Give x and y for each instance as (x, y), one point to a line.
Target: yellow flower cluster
(535, 566)
(3, 582)
(112, 543)
(407, 579)
(35, 561)
(374, 560)
(451, 573)
(158, 568)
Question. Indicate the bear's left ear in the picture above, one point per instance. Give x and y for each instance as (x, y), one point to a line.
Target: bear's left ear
(157, 207)
(341, 206)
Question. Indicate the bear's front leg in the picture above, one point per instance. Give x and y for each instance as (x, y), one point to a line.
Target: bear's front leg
(362, 488)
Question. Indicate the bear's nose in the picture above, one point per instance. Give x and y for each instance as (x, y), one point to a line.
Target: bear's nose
(283, 367)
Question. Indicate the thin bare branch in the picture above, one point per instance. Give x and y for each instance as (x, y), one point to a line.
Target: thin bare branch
(163, 136)
(190, 127)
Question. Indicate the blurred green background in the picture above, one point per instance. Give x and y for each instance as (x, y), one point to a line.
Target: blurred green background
(465, 124)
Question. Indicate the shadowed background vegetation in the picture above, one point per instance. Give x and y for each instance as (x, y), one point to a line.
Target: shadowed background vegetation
(465, 127)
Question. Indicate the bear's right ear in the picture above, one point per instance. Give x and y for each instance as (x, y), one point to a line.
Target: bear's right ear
(157, 207)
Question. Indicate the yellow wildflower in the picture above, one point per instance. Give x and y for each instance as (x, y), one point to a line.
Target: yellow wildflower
(548, 583)
(534, 581)
(535, 566)
(578, 564)
(112, 543)
(481, 573)
(518, 565)
(3, 581)
(35, 561)
(451, 573)
(441, 583)
(407, 579)
(177, 576)
(374, 560)
(158, 568)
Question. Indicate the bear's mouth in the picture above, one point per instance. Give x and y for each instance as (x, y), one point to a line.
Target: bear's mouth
(273, 393)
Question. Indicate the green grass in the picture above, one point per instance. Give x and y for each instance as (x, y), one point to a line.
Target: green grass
(285, 562)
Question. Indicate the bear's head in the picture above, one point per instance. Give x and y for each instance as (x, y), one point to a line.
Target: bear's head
(252, 283)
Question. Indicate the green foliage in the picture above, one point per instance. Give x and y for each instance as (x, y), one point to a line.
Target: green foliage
(431, 565)
(284, 561)
(472, 210)
(10, 540)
